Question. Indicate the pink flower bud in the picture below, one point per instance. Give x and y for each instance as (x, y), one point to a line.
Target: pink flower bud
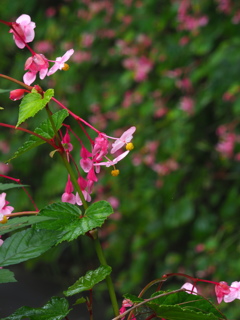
(17, 94)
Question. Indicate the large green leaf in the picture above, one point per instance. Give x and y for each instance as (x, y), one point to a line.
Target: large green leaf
(87, 282)
(45, 130)
(6, 276)
(32, 103)
(181, 306)
(26, 244)
(55, 309)
(20, 222)
(67, 218)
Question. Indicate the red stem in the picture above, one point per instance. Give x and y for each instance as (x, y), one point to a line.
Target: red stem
(30, 132)
(75, 116)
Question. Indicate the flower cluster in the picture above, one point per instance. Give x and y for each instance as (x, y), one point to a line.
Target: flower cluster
(223, 291)
(91, 162)
(23, 33)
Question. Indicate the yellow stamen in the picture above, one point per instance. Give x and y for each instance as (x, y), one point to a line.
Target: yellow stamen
(4, 220)
(115, 172)
(65, 67)
(129, 146)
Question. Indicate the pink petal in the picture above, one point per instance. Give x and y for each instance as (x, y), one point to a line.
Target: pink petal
(86, 164)
(29, 78)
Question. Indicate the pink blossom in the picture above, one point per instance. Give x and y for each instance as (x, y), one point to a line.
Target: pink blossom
(4, 208)
(66, 142)
(125, 138)
(190, 288)
(126, 304)
(100, 148)
(114, 161)
(23, 30)
(68, 196)
(234, 292)
(36, 63)
(226, 146)
(17, 94)
(86, 196)
(187, 104)
(221, 289)
(60, 62)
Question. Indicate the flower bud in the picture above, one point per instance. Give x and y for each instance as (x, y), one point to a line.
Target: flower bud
(16, 94)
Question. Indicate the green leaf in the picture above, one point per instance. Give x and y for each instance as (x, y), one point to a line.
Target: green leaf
(20, 222)
(7, 186)
(25, 245)
(32, 103)
(87, 282)
(5, 90)
(45, 130)
(55, 309)
(6, 276)
(67, 218)
(181, 306)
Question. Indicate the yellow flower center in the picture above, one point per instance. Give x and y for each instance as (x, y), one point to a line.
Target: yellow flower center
(65, 67)
(115, 172)
(129, 146)
(4, 220)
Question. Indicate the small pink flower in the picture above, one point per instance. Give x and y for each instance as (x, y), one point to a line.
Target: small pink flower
(114, 161)
(66, 142)
(234, 292)
(68, 196)
(190, 288)
(36, 63)
(23, 30)
(17, 94)
(4, 208)
(60, 62)
(126, 304)
(221, 289)
(125, 138)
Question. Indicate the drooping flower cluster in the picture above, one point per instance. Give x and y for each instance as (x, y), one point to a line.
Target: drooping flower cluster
(223, 291)
(23, 33)
(4, 208)
(91, 162)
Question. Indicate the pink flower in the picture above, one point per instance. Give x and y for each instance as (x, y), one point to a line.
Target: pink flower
(36, 63)
(126, 304)
(66, 142)
(125, 138)
(234, 292)
(23, 30)
(114, 161)
(17, 94)
(68, 196)
(187, 104)
(190, 288)
(221, 289)
(4, 208)
(60, 62)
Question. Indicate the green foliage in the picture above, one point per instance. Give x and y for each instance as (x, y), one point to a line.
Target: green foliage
(7, 186)
(45, 130)
(89, 280)
(6, 276)
(25, 245)
(180, 306)
(32, 103)
(55, 309)
(67, 219)
(22, 222)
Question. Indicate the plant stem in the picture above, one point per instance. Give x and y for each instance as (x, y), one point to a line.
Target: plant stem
(66, 163)
(109, 282)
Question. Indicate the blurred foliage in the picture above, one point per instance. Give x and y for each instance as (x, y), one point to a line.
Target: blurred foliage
(140, 63)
